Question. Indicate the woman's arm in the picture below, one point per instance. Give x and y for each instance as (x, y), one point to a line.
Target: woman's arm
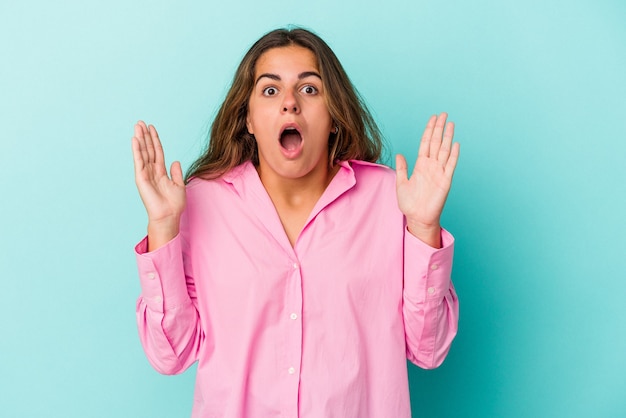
(167, 315)
(167, 318)
(430, 304)
(163, 197)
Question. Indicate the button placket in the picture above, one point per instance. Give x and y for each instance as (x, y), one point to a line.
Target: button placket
(294, 327)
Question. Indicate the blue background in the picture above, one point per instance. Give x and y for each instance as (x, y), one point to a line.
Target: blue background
(537, 90)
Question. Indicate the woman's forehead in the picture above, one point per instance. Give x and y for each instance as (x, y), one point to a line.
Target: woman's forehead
(285, 59)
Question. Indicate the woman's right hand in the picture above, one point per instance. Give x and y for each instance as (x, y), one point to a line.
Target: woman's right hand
(163, 197)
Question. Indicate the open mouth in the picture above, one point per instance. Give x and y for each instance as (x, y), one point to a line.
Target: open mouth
(290, 139)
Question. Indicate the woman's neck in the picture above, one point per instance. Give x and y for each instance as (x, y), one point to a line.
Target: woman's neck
(294, 199)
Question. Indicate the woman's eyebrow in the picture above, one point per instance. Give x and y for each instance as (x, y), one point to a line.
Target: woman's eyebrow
(309, 74)
(276, 77)
(268, 75)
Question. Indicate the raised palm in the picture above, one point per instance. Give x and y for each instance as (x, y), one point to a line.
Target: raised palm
(421, 197)
(163, 196)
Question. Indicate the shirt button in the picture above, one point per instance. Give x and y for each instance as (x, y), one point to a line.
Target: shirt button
(151, 276)
(431, 290)
(295, 265)
(291, 370)
(434, 266)
(158, 299)
(293, 316)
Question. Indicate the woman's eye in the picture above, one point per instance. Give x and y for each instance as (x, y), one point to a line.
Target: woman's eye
(309, 90)
(269, 91)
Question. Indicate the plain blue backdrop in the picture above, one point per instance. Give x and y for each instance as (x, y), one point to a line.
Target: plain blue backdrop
(537, 90)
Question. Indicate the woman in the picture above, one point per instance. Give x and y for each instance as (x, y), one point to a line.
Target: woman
(296, 271)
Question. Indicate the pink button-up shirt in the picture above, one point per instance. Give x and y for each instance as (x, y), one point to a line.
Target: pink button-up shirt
(321, 329)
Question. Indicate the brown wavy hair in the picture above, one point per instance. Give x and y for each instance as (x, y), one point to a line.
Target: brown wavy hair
(230, 144)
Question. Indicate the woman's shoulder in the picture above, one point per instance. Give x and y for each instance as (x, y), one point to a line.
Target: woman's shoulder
(220, 180)
(367, 171)
(374, 185)
(197, 184)
(229, 183)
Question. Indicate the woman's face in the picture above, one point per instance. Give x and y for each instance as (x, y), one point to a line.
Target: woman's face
(288, 115)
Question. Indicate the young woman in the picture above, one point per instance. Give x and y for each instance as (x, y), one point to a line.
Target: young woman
(296, 271)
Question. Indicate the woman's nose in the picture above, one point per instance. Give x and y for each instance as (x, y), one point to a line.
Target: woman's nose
(290, 103)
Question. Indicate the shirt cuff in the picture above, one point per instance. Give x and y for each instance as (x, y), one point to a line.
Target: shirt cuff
(161, 275)
(427, 270)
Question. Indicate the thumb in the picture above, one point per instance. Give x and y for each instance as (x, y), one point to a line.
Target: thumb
(401, 169)
(177, 173)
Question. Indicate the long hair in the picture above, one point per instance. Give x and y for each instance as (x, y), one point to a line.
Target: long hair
(230, 144)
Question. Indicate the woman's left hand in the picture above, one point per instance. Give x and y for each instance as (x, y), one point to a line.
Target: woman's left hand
(421, 197)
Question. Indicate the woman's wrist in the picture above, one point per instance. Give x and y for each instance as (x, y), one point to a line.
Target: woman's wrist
(428, 233)
(162, 232)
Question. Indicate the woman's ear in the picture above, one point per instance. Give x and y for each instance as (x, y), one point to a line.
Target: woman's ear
(249, 126)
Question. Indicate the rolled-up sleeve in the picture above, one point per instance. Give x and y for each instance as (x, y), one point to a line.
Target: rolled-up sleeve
(430, 303)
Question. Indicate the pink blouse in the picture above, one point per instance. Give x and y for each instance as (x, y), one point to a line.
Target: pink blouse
(321, 329)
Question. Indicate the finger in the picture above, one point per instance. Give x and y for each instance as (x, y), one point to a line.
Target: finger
(158, 148)
(138, 130)
(150, 133)
(159, 157)
(143, 128)
(137, 157)
(402, 174)
(141, 140)
(425, 142)
(435, 140)
(176, 173)
(446, 143)
(156, 142)
(452, 161)
(147, 141)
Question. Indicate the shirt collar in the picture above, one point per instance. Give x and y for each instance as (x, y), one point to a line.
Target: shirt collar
(244, 178)
(246, 173)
